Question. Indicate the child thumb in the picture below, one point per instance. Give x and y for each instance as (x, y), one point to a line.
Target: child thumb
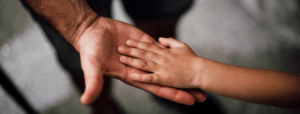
(170, 42)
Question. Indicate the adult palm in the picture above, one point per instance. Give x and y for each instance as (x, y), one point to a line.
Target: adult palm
(98, 53)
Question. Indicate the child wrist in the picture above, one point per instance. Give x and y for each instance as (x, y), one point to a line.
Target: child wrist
(200, 71)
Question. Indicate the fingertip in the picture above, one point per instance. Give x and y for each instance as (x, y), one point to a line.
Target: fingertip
(163, 42)
(121, 49)
(199, 95)
(190, 103)
(202, 99)
(161, 38)
(122, 58)
(165, 38)
(87, 99)
(129, 42)
(93, 88)
(187, 99)
(84, 100)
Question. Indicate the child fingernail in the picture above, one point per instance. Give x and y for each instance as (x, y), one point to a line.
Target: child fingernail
(128, 42)
(120, 48)
(122, 58)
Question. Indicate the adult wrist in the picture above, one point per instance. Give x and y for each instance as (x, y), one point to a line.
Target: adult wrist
(84, 22)
(69, 17)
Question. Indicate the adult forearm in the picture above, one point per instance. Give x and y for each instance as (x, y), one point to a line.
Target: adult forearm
(252, 85)
(69, 17)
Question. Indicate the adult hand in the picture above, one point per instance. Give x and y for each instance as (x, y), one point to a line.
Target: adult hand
(96, 39)
(98, 53)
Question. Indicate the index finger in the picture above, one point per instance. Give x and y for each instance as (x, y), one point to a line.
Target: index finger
(144, 46)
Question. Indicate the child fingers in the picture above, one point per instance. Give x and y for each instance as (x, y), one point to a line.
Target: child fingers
(170, 42)
(139, 64)
(138, 53)
(143, 45)
(146, 78)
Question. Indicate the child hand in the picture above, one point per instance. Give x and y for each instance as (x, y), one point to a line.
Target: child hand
(177, 66)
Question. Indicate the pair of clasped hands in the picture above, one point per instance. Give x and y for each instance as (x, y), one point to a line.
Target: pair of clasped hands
(122, 51)
(168, 68)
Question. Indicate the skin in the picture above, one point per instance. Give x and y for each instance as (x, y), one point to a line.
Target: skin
(179, 67)
(96, 39)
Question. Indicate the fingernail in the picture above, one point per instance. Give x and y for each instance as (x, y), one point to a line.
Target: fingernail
(128, 42)
(120, 48)
(134, 76)
(122, 58)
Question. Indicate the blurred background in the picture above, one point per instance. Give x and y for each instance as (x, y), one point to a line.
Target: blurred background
(250, 33)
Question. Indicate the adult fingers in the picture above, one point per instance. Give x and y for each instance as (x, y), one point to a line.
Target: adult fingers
(139, 64)
(176, 95)
(170, 42)
(93, 76)
(173, 94)
(198, 94)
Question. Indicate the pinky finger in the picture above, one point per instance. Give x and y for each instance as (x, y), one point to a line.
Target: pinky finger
(146, 78)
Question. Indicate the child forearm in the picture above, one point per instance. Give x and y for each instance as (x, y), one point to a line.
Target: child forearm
(252, 85)
(179, 67)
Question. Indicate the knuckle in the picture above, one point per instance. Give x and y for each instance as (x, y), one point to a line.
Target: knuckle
(165, 51)
(165, 60)
(142, 53)
(146, 46)
(150, 78)
(144, 64)
(152, 55)
(127, 50)
(159, 49)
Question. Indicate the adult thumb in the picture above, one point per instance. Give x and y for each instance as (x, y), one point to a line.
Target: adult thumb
(199, 95)
(93, 76)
